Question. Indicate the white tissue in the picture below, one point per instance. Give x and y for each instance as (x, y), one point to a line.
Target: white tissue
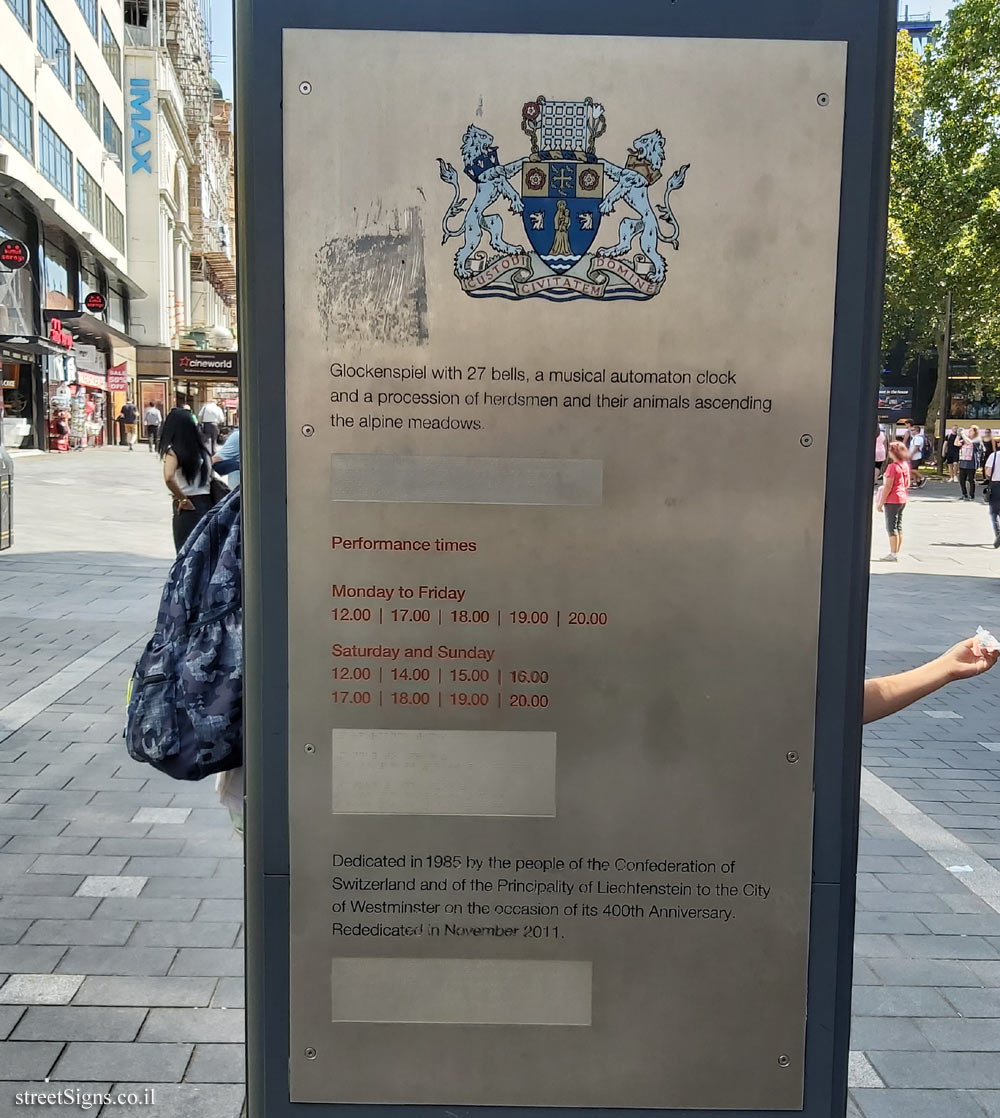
(987, 640)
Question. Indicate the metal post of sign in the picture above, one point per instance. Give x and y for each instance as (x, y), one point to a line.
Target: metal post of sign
(557, 471)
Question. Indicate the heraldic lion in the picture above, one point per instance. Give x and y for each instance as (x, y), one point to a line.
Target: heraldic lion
(633, 182)
(491, 178)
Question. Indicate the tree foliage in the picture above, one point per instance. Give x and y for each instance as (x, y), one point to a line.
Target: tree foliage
(944, 206)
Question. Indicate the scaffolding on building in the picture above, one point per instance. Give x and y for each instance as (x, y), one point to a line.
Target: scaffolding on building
(180, 28)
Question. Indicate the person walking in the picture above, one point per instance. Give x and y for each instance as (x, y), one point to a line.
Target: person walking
(130, 417)
(893, 496)
(152, 418)
(211, 417)
(969, 456)
(919, 448)
(881, 452)
(187, 473)
(988, 448)
(989, 469)
(951, 453)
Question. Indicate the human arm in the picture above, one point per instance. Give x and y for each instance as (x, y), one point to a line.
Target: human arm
(891, 693)
(228, 458)
(170, 467)
(883, 493)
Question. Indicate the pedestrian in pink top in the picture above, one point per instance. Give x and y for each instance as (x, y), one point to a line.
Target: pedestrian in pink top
(893, 496)
(881, 441)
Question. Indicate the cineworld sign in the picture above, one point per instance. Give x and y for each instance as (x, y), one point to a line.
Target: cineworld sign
(206, 364)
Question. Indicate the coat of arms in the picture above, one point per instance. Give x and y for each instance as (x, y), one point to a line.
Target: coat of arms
(563, 191)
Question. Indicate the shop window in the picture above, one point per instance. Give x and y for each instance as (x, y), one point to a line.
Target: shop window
(53, 44)
(55, 160)
(16, 116)
(90, 280)
(21, 9)
(117, 314)
(88, 8)
(112, 137)
(18, 411)
(114, 224)
(88, 100)
(110, 49)
(88, 197)
(16, 293)
(56, 268)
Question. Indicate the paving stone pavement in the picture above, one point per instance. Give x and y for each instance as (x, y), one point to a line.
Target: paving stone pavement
(120, 891)
(926, 1032)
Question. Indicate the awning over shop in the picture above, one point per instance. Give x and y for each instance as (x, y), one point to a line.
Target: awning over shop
(21, 346)
(52, 217)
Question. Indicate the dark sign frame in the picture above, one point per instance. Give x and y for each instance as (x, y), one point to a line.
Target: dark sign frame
(868, 27)
(904, 411)
(223, 356)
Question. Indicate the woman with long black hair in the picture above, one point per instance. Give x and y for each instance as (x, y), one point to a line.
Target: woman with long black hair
(187, 472)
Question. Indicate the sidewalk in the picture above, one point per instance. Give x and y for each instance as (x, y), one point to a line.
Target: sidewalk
(120, 890)
(927, 979)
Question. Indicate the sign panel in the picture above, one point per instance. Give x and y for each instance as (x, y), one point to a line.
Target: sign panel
(895, 403)
(552, 671)
(90, 358)
(95, 302)
(141, 122)
(118, 378)
(92, 380)
(14, 254)
(206, 364)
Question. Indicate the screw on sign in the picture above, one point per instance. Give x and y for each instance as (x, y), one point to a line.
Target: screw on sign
(96, 303)
(14, 254)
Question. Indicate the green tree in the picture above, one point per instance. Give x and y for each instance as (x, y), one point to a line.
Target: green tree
(913, 268)
(944, 207)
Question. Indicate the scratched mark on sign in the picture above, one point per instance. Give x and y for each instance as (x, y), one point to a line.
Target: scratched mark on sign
(371, 284)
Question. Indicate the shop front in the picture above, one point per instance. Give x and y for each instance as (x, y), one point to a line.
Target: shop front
(89, 416)
(21, 347)
(19, 384)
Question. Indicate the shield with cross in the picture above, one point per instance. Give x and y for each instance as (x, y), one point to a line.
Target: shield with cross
(562, 181)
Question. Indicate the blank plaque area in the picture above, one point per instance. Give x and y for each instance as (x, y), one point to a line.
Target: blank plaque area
(444, 772)
(461, 991)
(443, 479)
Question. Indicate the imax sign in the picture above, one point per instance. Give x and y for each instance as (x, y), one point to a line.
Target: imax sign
(140, 139)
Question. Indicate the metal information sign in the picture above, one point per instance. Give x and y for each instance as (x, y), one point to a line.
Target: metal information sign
(541, 706)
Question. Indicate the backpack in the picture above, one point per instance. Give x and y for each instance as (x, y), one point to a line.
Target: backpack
(185, 700)
(129, 414)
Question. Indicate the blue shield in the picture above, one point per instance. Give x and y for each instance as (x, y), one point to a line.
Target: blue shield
(562, 197)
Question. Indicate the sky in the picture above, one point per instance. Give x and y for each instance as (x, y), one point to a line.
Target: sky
(937, 8)
(221, 25)
(220, 21)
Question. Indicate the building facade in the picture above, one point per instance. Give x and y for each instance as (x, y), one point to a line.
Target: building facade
(65, 315)
(179, 187)
(918, 25)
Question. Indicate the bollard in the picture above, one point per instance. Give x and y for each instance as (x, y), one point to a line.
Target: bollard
(6, 500)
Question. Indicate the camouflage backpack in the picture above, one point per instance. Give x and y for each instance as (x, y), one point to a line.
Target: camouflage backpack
(185, 700)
